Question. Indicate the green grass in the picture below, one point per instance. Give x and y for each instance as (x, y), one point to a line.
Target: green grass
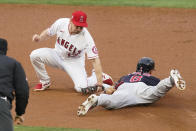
(25, 128)
(148, 3)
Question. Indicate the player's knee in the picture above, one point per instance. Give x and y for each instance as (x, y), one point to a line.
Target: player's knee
(78, 86)
(78, 90)
(33, 55)
(112, 105)
(109, 105)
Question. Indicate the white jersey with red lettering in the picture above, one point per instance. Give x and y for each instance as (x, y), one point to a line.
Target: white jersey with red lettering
(72, 46)
(68, 54)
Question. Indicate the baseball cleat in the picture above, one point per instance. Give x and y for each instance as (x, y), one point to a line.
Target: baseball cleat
(89, 103)
(178, 80)
(41, 87)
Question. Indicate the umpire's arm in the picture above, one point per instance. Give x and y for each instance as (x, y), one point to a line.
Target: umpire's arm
(21, 89)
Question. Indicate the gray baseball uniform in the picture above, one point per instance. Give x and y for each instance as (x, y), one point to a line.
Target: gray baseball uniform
(134, 89)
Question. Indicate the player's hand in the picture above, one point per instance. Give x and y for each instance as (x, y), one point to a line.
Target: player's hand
(99, 87)
(19, 120)
(36, 38)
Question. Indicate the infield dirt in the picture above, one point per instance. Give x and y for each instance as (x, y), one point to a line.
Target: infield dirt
(122, 35)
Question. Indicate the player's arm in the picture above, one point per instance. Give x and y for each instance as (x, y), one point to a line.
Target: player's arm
(98, 71)
(43, 36)
(49, 32)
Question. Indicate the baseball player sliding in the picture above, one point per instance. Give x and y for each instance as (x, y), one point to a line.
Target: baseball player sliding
(134, 89)
(72, 43)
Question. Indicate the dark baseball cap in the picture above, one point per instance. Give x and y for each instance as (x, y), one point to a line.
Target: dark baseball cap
(3, 45)
(79, 19)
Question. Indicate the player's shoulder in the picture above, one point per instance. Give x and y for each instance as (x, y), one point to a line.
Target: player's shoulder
(62, 21)
(86, 33)
(145, 75)
(154, 78)
(150, 76)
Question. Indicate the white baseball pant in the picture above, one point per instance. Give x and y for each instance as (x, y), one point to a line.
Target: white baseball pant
(75, 67)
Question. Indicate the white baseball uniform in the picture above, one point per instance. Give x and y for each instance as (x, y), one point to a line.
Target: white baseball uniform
(68, 54)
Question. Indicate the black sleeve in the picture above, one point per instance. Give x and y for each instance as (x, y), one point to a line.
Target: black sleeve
(21, 89)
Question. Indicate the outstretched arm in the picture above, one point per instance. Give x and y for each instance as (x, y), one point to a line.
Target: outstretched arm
(43, 36)
(98, 71)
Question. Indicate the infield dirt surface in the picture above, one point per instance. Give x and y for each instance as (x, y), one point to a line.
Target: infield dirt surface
(122, 35)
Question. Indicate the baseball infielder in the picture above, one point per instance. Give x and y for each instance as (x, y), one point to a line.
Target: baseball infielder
(134, 89)
(72, 43)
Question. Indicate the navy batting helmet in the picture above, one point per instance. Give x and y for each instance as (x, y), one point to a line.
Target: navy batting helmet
(145, 64)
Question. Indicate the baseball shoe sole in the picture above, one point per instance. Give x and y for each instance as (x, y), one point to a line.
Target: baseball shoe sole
(178, 80)
(90, 102)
